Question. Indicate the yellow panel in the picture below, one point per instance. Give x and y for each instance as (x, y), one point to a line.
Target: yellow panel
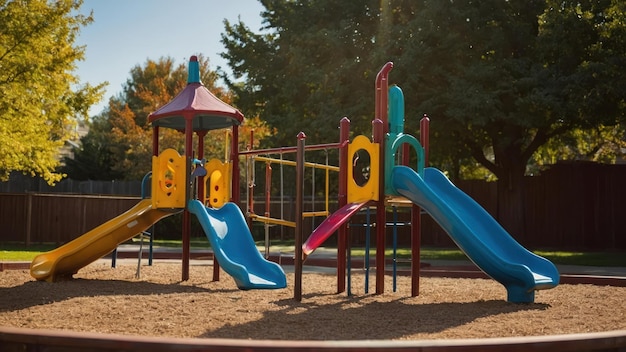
(169, 180)
(218, 183)
(363, 174)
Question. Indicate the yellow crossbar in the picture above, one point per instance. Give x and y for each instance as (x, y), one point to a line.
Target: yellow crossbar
(269, 220)
(293, 163)
(310, 214)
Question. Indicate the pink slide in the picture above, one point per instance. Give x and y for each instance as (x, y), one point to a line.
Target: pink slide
(329, 226)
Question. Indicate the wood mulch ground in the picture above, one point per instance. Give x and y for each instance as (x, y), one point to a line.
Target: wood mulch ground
(105, 300)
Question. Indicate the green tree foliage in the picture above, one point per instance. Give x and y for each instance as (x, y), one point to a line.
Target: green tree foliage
(503, 79)
(309, 67)
(581, 144)
(93, 160)
(499, 79)
(119, 142)
(40, 97)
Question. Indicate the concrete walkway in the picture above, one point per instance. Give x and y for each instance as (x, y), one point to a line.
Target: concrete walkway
(324, 260)
(326, 257)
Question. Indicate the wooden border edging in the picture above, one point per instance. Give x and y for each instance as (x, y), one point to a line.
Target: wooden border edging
(14, 266)
(19, 339)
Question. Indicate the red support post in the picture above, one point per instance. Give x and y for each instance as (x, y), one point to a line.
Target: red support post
(382, 87)
(200, 181)
(381, 102)
(424, 137)
(186, 216)
(344, 139)
(251, 186)
(297, 295)
(416, 236)
(155, 140)
(234, 162)
(416, 219)
(381, 214)
(268, 188)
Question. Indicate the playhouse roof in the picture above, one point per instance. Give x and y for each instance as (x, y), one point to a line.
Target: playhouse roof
(198, 104)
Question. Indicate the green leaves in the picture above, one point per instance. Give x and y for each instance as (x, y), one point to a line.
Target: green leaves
(119, 142)
(40, 98)
(497, 78)
(310, 66)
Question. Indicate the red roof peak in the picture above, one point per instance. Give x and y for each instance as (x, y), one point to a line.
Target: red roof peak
(198, 104)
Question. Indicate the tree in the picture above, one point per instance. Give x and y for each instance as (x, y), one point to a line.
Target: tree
(501, 79)
(302, 74)
(40, 97)
(119, 142)
(602, 144)
(93, 159)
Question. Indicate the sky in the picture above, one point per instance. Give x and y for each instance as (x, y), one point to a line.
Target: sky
(126, 33)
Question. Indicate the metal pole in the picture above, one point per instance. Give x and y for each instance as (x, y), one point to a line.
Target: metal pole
(201, 186)
(186, 215)
(282, 197)
(234, 160)
(381, 102)
(379, 137)
(416, 217)
(299, 204)
(395, 247)
(368, 245)
(424, 137)
(344, 139)
(268, 190)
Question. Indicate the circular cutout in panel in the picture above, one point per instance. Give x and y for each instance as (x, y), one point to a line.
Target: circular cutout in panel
(361, 164)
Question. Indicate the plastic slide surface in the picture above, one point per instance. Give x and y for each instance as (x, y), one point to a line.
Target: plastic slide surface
(329, 226)
(65, 261)
(235, 249)
(477, 233)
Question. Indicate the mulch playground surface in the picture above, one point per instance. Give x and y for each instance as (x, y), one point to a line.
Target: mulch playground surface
(112, 300)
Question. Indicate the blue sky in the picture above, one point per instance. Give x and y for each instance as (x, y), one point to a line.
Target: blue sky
(126, 33)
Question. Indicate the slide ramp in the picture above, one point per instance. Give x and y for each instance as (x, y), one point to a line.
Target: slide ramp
(477, 233)
(234, 248)
(329, 226)
(65, 261)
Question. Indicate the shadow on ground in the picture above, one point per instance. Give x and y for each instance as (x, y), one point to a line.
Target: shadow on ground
(363, 319)
(34, 293)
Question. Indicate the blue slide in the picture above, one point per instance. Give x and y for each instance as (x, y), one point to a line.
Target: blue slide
(477, 233)
(235, 249)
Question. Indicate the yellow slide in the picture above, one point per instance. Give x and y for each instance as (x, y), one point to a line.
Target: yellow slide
(66, 260)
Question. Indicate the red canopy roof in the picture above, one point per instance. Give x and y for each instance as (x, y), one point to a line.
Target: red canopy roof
(197, 103)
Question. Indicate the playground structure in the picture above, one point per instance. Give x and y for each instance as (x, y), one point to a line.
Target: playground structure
(177, 182)
(372, 174)
(385, 181)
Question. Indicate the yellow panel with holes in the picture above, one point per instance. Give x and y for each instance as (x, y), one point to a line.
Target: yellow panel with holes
(217, 181)
(363, 170)
(169, 180)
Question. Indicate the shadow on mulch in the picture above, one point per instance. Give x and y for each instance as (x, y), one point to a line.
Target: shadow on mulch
(356, 318)
(35, 293)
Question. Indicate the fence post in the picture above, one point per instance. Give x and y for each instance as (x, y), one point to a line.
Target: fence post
(29, 216)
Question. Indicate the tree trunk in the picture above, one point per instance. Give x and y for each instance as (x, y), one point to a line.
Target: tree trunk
(511, 200)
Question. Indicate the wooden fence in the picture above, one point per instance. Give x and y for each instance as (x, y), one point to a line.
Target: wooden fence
(577, 206)
(571, 206)
(58, 218)
(19, 183)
